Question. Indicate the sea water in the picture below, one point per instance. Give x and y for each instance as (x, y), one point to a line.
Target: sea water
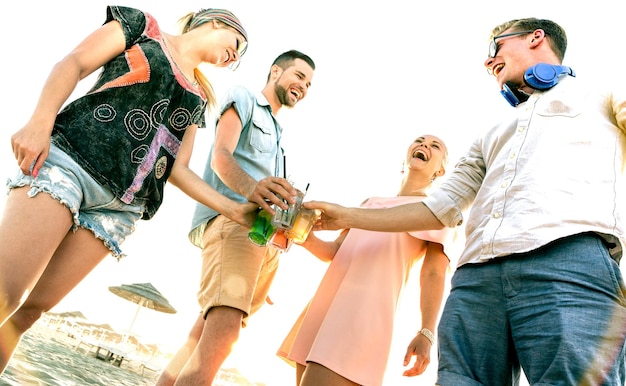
(46, 357)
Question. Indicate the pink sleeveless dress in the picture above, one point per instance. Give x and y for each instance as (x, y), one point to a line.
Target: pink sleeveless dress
(348, 324)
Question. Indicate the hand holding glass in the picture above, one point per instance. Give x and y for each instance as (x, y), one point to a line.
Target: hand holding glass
(285, 227)
(285, 218)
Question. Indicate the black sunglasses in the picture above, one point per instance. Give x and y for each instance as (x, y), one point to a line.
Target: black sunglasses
(493, 46)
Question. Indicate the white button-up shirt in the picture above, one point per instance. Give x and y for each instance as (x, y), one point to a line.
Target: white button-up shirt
(555, 169)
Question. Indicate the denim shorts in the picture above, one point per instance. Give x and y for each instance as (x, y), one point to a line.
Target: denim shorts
(557, 313)
(93, 206)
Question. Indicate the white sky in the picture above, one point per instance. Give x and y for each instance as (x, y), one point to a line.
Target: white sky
(387, 72)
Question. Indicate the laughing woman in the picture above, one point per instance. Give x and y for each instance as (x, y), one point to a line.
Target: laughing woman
(356, 299)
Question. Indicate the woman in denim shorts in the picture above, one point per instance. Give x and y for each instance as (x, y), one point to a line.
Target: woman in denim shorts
(90, 171)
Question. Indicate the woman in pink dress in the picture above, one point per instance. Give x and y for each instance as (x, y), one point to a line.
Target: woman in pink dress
(343, 336)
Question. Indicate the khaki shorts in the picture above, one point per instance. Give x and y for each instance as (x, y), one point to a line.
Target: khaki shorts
(235, 272)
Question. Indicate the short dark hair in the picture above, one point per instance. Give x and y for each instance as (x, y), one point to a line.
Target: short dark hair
(558, 38)
(286, 59)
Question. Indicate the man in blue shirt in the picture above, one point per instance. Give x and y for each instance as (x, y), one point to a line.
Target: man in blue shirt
(246, 163)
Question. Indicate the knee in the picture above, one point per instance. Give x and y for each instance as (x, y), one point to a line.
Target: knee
(10, 305)
(227, 320)
(25, 317)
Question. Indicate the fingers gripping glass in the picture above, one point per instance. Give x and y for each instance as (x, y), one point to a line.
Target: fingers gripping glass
(493, 45)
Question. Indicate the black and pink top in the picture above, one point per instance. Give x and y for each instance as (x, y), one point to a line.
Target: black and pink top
(127, 130)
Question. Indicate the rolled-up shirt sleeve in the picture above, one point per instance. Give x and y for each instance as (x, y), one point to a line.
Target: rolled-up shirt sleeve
(444, 208)
(457, 193)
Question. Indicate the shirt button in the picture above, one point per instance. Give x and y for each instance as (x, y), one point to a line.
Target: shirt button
(513, 155)
(496, 215)
(521, 129)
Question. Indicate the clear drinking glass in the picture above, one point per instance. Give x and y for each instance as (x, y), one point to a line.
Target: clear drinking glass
(303, 224)
(286, 218)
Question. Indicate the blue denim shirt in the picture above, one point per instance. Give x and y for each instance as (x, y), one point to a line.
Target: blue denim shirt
(258, 150)
(127, 130)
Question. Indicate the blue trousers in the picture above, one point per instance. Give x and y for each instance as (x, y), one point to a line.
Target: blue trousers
(558, 313)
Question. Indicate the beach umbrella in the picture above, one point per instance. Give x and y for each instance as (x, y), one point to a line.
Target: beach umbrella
(144, 295)
(71, 314)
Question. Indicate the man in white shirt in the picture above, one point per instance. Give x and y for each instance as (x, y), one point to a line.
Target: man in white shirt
(538, 285)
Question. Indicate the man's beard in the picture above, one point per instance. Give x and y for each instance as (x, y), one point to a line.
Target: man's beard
(283, 95)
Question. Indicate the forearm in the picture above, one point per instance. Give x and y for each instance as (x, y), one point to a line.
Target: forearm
(196, 188)
(432, 284)
(57, 89)
(323, 250)
(431, 298)
(230, 172)
(403, 218)
(432, 276)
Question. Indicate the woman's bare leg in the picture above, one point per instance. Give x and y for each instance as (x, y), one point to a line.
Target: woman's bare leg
(299, 372)
(316, 374)
(31, 229)
(42, 262)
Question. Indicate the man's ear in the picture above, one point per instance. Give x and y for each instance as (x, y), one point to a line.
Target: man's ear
(276, 71)
(537, 37)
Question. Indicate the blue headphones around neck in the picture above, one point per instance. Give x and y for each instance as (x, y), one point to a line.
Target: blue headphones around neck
(541, 76)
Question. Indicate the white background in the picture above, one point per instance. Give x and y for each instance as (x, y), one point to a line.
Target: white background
(387, 72)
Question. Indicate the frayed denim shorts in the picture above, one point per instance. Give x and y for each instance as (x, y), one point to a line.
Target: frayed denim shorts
(93, 206)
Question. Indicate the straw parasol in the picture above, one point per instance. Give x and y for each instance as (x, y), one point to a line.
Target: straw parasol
(144, 295)
(69, 314)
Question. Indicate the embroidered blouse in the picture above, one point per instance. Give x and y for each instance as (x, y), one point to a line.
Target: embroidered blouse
(127, 130)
